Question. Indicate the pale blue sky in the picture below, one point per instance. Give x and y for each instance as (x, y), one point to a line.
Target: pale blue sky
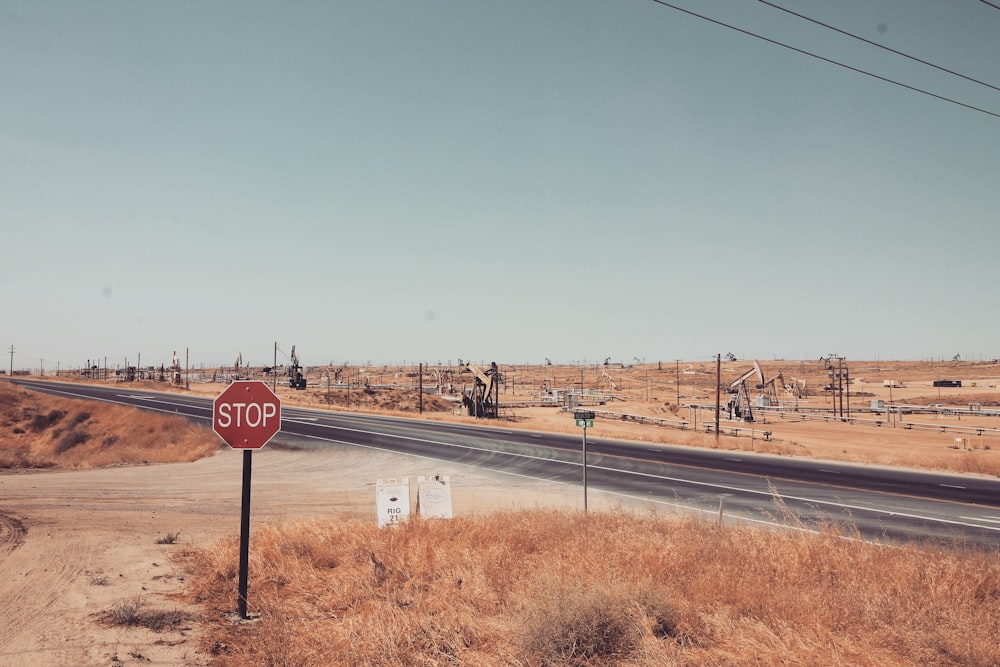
(423, 180)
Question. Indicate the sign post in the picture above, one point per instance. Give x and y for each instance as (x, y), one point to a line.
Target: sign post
(246, 415)
(584, 419)
(241, 591)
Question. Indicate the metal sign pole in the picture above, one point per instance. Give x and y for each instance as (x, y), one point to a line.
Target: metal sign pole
(245, 534)
(585, 467)
(584, 419)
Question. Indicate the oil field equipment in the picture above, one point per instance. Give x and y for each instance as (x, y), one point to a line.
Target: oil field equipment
(485, 397)
(740, 405)
(295, 378)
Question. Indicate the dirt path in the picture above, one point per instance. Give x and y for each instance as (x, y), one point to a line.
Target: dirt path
(74, 544)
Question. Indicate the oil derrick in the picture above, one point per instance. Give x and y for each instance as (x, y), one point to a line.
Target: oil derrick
(175, 370)
(295, 378)
(484, 400)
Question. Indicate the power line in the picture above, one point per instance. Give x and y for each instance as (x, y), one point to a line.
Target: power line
(868, 41)
(989, 4)
(827, 60)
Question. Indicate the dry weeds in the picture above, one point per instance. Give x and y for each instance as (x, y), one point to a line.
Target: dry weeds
(135, 613)
(39, 431)
(549, 588)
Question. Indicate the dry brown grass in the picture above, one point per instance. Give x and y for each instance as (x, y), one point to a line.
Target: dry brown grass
(39, 431)
(549, 588)
(135, 612)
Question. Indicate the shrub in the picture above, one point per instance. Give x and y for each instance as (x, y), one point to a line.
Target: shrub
(40, 421)
(70, 440)
(132, 613)
(577, 623)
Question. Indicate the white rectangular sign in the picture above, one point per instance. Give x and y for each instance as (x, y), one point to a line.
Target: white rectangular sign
(392, 501)
(434, 497)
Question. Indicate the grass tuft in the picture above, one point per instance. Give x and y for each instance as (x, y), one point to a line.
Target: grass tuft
(41, 422)
(71, 439)
(133, 613)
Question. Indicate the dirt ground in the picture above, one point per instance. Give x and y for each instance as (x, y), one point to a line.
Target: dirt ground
(76, 545)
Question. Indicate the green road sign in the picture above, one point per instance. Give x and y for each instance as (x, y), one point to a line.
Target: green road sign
(585, 422)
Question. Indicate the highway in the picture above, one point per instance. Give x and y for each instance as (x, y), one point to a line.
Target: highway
(875, 503)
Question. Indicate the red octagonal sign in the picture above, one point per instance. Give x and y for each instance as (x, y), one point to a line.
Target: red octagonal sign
(246, 415)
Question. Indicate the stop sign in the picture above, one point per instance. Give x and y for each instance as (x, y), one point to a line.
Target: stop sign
(246, 415)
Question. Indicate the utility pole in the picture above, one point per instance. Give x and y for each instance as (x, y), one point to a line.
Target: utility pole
(847, 381)
(12, 361)
(420, 387)
(840, 384)
(646, 368)
(888, 413)
(718, 394)
(677, 379)
(187, 367)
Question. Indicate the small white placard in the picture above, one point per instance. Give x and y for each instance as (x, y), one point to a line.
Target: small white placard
(392, 501)
(434, 497)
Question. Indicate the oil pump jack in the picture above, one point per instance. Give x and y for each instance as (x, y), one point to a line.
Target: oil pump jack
(485, 397)
(740, 405)
(295, 378)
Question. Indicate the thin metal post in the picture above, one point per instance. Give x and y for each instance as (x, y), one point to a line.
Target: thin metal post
(245, 535)
(585, 466)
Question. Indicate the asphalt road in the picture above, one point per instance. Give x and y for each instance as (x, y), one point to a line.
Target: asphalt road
(873, 502)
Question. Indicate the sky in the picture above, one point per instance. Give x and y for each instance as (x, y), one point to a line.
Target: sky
(394, 181)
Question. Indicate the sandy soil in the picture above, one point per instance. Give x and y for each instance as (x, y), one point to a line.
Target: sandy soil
(74, 544)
